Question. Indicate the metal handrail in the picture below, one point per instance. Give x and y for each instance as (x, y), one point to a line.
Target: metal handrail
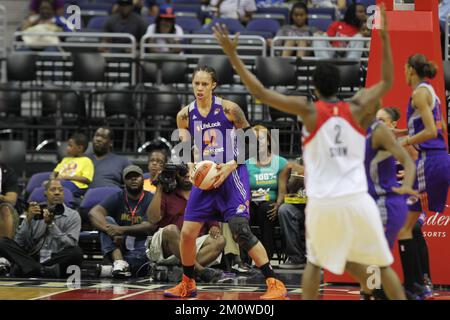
(275, 48)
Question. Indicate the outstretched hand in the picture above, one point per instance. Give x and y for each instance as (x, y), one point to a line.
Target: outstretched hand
(222, 35)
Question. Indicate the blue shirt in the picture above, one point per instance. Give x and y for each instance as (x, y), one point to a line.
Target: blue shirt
(108, 171)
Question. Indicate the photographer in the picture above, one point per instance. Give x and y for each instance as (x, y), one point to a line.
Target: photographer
(121, 220)
(46, 242)
(172, 193)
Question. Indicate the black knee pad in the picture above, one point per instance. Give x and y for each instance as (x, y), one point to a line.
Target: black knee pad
(242, 233)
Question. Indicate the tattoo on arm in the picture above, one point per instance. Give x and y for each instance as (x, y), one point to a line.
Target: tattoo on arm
(185, 116)
(239, 118)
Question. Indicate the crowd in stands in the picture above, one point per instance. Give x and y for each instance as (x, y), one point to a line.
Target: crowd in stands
(332, 18)
(140, 218)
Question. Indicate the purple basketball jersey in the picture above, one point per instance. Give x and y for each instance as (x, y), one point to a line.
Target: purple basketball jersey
(415, 123)
(214, 135)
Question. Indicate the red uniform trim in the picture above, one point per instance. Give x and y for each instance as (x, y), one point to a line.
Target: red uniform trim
(325, 111)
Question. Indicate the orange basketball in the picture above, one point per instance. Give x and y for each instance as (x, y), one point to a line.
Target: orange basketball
(204, 174)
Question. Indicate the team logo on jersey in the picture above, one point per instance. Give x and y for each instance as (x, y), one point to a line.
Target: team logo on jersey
(194, 117)
(216, 111)
(241, 209)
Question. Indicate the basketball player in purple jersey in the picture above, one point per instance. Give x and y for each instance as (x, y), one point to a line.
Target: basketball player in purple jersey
(426, 134)
(213, 118)
(381, 151)
(334, 156)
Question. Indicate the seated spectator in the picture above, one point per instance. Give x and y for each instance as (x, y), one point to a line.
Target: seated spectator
(292, 221)
(47, 19)
(165, 24)
(76, 170)
(168, 206)
(108, 166)
(122, 221)
(46, 241)
(298, 28)
(57, 5)
(235, 9)
(9, 189)
(125, 20)
(268, 175)
(156, 161)
(350, 26)
(338, 4)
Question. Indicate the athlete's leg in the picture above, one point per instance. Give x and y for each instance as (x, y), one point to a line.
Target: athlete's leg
(391, 284)
(311, 282)
(189, 234)
(409, 253)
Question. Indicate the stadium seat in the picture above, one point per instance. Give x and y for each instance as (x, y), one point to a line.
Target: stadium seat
(321, 24)
(13, 153)
(197, 2)
(221, 64)
(183, 7)
(96, 24)
(10, 104)
(275, 11)
(38, 195)
(36, 180)
(265, 25)
(21, 67)
(329, 13)
(95, 6)
(120, 114)
(233, 25)
(240, 100)
(93, 197)
(150, 20)
(88, 67)
(188, 24)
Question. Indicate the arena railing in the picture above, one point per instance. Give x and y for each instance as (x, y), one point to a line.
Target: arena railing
(69, 42)
(278, 46)
(196, 45)
(3, 18)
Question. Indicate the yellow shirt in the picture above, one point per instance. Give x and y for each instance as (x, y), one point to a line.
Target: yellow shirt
(148, 186)
(79, 166)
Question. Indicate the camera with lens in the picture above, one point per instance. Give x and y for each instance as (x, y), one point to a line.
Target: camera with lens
(56, 210)
(168, 176)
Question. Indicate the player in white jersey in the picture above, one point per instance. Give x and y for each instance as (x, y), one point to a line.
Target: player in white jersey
(344, 228)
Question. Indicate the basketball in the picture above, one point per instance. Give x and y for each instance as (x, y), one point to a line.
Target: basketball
(204, 174)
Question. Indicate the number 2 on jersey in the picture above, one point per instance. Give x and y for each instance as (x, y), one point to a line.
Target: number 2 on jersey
(338, 130)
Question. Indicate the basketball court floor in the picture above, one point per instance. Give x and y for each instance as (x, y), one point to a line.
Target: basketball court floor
(237, 289)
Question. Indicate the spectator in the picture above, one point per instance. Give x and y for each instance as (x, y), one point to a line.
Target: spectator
(150, 8)
(107, 165)
(125, 20)
(122, 221)
(76, 170)
(338, 4)
(292, 222)
(47, 20)
(46, 241)
(444, 9)
(268, 179)
(235, 9)
(169, 205)
(156, 161)
(9, 189)
(165, 24)
(350, 26)
(298, 28)
(57, 6)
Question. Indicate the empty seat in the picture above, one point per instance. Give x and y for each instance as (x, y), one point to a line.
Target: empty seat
(188, 24)
(321, 23)
(264, 25)
(222, 65)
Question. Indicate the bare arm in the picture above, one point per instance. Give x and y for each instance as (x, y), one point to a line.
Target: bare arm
(282, 184)
(9, 197)
(97, 216)
(289, 104)
(142, 229)
(235, 114)
(154, 209)
(421, 101)
(385, 139)
(373, 94)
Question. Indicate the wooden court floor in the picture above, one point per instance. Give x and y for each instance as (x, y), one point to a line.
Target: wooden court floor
(144, 289)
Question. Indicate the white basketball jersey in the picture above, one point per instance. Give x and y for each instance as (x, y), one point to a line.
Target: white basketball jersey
(334, 153)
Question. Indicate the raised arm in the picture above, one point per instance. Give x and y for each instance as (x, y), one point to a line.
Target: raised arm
(290, 104)
(373, 94)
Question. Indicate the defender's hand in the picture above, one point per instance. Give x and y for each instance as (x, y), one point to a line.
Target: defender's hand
(228, 45)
